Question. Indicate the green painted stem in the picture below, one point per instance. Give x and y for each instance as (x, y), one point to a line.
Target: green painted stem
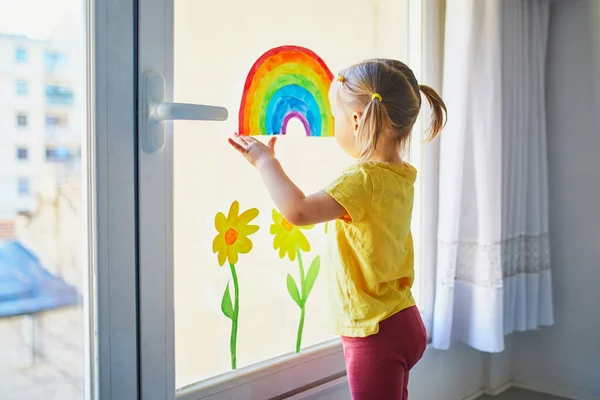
(300, 329)
(302, 310)
(234, 320)
(301, 266)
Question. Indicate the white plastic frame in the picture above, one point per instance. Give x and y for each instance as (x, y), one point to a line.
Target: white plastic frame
(110, 155)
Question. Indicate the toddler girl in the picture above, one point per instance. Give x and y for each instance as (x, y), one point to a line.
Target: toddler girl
(374, 105)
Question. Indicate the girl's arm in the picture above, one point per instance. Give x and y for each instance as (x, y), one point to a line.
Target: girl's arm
(295, 206)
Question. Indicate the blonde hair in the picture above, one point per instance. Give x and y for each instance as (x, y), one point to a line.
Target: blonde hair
(389, 95)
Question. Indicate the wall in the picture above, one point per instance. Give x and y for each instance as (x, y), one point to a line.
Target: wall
(565, 359)
(448, 375)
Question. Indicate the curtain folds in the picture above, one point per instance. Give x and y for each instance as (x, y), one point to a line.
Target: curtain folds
(493, 272)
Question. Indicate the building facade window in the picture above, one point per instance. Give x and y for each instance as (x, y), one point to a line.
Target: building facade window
(54, 59)
(22, 88)
(22, 154)
(24, 187)
(21, 55)
(57, 154)
(22, 120)
(56, 94)
(56, 120)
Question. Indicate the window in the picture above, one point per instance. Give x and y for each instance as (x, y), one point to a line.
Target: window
(56, 120)
(22, 88)
(61, 95)
(22, 154)
(45, 343)
(24, 187)
(21, 55)
(57, 154)
(54, 59)
(22, 120)
(207, 177)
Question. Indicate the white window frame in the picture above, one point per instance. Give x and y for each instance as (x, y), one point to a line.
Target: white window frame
(416, 153)
(110, 151)
(426, 57)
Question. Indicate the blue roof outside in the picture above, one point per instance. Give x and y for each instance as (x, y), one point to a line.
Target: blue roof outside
(26, 287)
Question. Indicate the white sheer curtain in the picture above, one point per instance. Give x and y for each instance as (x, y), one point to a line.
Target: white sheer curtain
(493, 266)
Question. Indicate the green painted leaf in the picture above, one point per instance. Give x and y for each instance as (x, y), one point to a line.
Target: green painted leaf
(311, 277)
(226, 305)
(293, 290)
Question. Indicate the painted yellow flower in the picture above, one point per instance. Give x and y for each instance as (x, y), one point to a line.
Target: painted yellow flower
(288, 238)
(234, 230)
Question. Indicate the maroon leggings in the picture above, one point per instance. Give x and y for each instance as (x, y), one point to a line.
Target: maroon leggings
(378, 365)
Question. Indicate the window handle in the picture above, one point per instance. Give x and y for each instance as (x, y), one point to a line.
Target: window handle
(181, 111)
(156, 112)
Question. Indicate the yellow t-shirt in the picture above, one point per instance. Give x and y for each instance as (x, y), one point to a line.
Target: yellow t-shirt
(370, 266)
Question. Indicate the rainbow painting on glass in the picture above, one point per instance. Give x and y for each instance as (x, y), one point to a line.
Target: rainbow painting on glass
(286, 82)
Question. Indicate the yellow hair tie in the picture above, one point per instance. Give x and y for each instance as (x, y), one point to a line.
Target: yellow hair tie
(341, 79)
(376, 96)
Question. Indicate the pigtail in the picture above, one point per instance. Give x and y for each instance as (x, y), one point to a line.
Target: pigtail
(439, 113)
(373, 122)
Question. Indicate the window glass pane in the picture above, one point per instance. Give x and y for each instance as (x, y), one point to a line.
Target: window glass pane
(212, 63)
(62, 154)
(24, 186)
(56, 94)
(43, 264)
(54, 60)
(22, 88)
(22, 153)
(56, 120)
(21, 55)
(21, 119)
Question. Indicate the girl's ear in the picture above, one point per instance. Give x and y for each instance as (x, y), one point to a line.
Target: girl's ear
(355, 122)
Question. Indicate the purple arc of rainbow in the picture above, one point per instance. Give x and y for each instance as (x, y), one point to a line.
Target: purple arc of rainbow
(299, 116)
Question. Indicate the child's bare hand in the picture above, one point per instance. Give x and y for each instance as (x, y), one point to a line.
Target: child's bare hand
(253, 150)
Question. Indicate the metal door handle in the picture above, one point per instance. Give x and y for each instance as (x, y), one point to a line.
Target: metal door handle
(156, 111)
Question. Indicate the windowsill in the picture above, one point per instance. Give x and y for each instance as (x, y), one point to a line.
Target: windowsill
(262, 371)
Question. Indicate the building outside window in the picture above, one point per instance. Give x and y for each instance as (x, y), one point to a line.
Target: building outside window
(56, 94)
(55, 120)
(22, 154)
(22, 88)
(22, 120)
(24, 187)
(21, 55)
(57, 154)
(54, 59)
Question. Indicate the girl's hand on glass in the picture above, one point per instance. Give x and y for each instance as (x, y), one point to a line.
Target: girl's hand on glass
(254, 150)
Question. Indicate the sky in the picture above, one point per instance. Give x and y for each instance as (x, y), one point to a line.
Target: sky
(34, 18)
